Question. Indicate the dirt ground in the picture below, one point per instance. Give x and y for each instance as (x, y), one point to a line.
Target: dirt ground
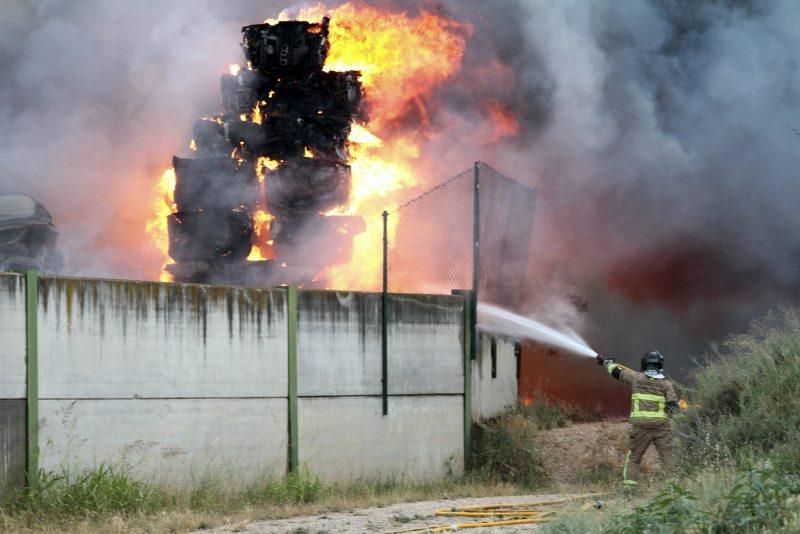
(577, 457)
(588, 453)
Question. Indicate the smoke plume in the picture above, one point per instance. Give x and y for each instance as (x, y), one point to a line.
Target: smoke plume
(657, 135)
(655, 131)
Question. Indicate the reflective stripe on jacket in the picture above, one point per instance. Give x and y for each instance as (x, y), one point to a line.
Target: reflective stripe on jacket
(649, 396)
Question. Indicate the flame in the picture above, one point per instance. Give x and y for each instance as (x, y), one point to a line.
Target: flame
(262, 249)
(234, 68)
(403, 59)
(263, 165)
(163, 206)
(505, 124)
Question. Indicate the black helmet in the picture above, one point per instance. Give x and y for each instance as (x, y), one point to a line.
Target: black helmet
(652, 360)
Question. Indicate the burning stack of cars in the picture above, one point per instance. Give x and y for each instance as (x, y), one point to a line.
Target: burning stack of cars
(284, 123)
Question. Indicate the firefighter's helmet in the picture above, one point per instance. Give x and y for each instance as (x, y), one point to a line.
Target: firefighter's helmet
(652, 361)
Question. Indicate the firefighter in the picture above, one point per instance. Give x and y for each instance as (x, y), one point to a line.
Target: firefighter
(653, 399)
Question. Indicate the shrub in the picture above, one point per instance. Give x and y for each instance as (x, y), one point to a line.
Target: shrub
(506, 450)
(761, 499)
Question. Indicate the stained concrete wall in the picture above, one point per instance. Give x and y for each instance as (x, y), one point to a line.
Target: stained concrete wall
(12, 382)
(174, 380)
(491, 395)
(177, 381)
(339, 344)
(121, 339)
(12, 336)
(343, 434)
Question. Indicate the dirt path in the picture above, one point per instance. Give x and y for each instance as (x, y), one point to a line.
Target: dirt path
(392, 518)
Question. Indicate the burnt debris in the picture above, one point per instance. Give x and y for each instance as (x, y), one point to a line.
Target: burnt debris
(27, 236)
(286, 109)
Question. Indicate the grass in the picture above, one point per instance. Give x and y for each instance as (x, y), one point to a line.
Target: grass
(749, 398)
(108, 499)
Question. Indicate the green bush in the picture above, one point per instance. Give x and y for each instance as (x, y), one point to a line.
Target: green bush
(762, 499)
(748, 398)
(102, 490)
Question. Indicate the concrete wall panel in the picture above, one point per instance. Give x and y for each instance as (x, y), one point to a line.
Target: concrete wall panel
(490, 396)
(338, 343)
(348, 438)
(167, 441)
(12, 446)
(123, 339)
(12, 336)
(425, 344)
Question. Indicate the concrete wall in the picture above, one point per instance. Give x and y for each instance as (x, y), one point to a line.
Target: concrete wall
(491, 395)
(170, 441)
(348, 438)
(118, 339)
(12, 336)
(12, 382)
(177, 381)
(339, 378)
(12, 446)
(174, 380)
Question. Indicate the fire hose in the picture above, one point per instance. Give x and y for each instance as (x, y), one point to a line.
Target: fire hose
(501, 514)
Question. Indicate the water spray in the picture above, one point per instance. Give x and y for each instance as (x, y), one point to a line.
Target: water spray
(500, 321)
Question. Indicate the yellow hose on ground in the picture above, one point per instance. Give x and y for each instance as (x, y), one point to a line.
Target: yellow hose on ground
(504, 514)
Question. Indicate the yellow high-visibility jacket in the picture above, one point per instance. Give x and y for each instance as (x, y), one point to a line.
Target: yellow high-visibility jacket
(651, 398)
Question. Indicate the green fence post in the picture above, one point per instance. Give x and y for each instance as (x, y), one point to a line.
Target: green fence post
(291, 310)
(384, 318)
(476, 251)
(32, 375)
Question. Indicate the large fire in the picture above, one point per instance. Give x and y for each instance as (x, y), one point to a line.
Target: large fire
(402, 59)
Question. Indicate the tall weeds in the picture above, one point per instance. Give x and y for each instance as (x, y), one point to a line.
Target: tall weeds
(747, 398)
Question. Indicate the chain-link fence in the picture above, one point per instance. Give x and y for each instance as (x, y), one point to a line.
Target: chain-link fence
(472, 231)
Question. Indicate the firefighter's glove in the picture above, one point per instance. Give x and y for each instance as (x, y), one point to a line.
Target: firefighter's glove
(604, 360)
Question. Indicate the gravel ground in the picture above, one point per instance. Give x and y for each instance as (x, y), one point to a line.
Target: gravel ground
(392, 518)
(573, 455)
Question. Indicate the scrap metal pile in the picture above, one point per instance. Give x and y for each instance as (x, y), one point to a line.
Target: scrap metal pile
(27, 235)
(283, 120)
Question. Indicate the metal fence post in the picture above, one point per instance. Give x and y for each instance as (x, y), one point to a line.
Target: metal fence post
(291, 322)
(476, 252)
(384, 318)
(32, 375)
(469, 355)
